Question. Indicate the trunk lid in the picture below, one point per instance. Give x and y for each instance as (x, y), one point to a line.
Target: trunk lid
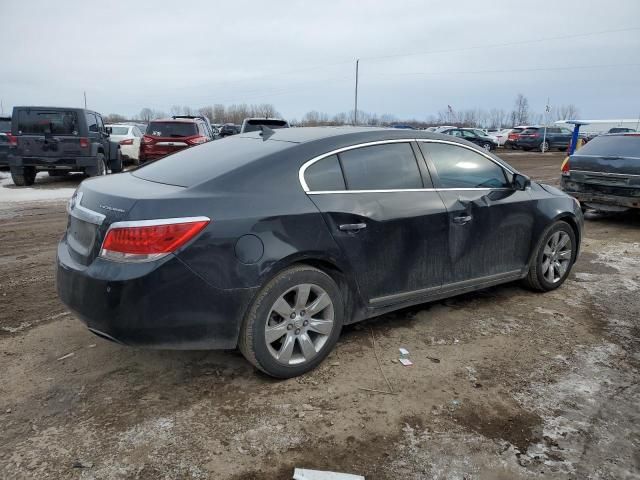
(102, 201)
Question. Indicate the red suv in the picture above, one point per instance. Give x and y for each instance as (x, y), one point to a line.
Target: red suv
(166, 136)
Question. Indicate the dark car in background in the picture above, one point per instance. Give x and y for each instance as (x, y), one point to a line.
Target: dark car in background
(166, 136)
(60, 140)
(228, 129)
(605, 173)
(621, 130)
(512, 137)
(473, 136)
(5, 140)
(544, 138)
(254, 124)
(271, 243)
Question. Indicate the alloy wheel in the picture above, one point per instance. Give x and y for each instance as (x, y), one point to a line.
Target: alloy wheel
(299, 324)
(556, 257)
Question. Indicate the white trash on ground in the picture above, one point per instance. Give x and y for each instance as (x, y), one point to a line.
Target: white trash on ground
(305, 474)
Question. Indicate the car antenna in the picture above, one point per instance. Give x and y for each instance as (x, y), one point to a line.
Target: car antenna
(265, 132)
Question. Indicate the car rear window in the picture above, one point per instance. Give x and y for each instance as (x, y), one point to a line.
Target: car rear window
(207, 161)
(254, 125)
(119, 130)
(5, 126)
(529, 131)
(172, 129)
(42, 122)
(614, 146)
(517, 130)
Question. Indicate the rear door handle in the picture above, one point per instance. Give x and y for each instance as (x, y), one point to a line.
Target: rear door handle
(352, 227)
(462, 219)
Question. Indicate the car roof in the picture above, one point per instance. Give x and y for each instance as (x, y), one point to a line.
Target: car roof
(176, 120)
(39, 107)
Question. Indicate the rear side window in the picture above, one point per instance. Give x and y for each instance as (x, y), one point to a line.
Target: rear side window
(92, 123)
(325, 175)
(381, 167)
(172, 129)
(614, 146)
(41, 122)
(459, 167)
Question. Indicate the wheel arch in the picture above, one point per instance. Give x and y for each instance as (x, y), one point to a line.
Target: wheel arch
(351, 295)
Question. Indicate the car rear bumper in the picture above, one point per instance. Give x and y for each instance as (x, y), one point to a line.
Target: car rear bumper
(576, 190)
(161, 305)
(49, 163)
(130, 151)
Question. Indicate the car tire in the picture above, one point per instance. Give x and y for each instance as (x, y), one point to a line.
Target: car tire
(116, 166)
(101, 167)
(487, 146)
(279, 344)
(549, 268)
(26, 178)
(545, 146)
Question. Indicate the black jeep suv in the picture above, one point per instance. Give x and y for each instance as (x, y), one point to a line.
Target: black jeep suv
(60, 140)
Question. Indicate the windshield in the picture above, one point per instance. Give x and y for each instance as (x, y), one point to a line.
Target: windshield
(172, 129)
(254, 125)
(119, 130)
(613, 146)
(47, 122)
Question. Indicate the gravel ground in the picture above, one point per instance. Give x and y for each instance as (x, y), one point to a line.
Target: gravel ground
(507, 384)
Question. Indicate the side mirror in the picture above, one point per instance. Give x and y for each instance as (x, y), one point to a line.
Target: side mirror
(108, 130)
(521, 182)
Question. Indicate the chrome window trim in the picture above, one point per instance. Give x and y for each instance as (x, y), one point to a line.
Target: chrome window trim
(308, 163)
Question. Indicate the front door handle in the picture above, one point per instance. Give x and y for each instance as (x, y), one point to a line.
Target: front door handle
(462, 219)
(352, 227)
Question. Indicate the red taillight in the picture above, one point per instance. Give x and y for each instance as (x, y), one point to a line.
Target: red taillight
(147, 140)
(149, 239)
(13, 140)
(196, 140)
(126, 141)
(565, 167)
(84, 142)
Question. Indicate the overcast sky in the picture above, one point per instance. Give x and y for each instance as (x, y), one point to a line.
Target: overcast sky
(417, 57)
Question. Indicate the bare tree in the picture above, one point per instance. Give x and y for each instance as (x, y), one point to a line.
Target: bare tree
(114, 118)
(146, 114)
(219, 113)
(566, 112)
(206, 112)
(521, 110)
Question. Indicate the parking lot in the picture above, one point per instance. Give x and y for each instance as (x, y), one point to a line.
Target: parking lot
(506, 383)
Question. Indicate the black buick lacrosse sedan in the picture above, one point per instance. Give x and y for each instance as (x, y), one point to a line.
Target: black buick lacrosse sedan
(272, 241)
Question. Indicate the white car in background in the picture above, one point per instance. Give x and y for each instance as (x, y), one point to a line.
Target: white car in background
(128, 136)
(502, 136)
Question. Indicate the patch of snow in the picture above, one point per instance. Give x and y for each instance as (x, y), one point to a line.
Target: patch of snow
(40, 191)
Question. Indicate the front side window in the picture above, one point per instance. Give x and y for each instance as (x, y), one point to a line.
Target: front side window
(468, 134)
(381, 167)
(325, 175)
(459, 167)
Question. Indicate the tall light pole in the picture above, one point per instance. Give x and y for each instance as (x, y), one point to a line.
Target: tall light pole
(85, 100)
(355, 109)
